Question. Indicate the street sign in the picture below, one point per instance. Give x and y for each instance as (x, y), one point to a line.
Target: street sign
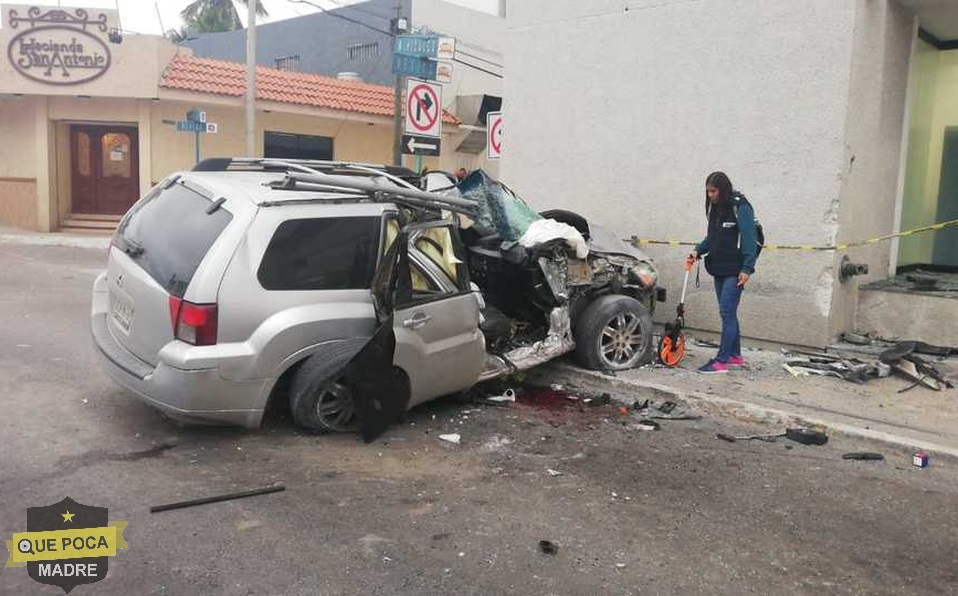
(190, 126)
(423, 108)
(414, 66)
(211, 127)
(424, 57)
(494, 135)
(444, 72)
(446, 49)
(196, 116)
(418, 145)
(423, 46)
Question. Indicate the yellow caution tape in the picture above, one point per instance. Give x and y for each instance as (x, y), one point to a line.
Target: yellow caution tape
(640, 242)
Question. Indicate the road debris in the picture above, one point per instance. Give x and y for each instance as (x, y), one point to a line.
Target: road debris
(920, 459)
(647, 425)
(548, 547)
(900, 357)
(508, 396)
(864, 456)
(805, 436)
(553, 473)
(248, 493)
(453, 438)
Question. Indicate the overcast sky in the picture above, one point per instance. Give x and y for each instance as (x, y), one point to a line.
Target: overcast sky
(145, 16)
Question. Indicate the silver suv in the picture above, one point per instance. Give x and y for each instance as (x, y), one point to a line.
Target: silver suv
(354, 291)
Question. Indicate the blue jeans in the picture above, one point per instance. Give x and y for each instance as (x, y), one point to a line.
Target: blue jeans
(729, 295)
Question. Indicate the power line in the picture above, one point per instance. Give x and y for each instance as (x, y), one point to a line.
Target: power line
(389, 34)
(364, 11)
(340, 16)
(473, 66)
(496, 64)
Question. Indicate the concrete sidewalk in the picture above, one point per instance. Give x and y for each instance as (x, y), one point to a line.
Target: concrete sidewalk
(765, 392)
(10, 235)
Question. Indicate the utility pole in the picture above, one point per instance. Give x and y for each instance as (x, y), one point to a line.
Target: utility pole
(251, 79)
(399, 25)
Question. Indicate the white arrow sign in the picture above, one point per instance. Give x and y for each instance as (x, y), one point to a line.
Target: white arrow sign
(413, 145)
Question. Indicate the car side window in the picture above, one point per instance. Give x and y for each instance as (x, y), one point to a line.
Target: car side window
(329, 253)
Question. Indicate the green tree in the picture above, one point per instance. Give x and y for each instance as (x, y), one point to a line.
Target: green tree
(211, 16)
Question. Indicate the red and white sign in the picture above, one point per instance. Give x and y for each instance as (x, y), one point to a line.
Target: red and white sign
(423, 108)
(494, 135)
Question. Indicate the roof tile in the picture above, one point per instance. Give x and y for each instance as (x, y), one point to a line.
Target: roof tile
(219, 77)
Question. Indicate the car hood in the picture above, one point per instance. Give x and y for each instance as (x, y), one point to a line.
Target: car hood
(604, 241)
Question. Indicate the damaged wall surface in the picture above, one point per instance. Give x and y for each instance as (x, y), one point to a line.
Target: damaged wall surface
(884, 35)
(656, 94)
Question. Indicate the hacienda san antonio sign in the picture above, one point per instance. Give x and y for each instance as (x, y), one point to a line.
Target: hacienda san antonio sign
(58, 46)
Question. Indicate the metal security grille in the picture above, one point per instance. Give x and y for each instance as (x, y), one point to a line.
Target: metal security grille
(362, 51)
(290, 63)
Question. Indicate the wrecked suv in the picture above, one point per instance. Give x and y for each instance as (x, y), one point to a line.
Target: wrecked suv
(354, 292)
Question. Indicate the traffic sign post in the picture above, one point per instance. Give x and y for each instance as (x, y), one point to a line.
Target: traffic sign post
(195, 123)
(494, 135)
(423, 109)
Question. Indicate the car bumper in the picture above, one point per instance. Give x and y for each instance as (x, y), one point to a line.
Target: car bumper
(200, 396)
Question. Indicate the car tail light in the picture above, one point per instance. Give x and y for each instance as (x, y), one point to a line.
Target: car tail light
(193, 323)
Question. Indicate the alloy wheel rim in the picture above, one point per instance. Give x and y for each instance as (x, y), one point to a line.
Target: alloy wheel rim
(335, 406)
(621, 340)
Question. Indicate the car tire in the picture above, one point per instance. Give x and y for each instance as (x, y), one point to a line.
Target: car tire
(614, 333)
(319, 397)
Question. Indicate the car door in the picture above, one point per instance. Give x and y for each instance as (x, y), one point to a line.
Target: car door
(436, 317)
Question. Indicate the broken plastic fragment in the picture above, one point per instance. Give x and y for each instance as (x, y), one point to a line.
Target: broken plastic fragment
(453, 438)
(509, 395)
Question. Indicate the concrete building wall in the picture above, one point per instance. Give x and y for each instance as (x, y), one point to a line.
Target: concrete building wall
(18, 171)
(884, 36)
(620, 110)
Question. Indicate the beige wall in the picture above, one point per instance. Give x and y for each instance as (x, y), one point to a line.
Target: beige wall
(883, 39)
(355, 138)
(17, 142)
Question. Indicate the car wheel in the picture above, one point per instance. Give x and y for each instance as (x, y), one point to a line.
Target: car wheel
(319, 397)
(614, 333)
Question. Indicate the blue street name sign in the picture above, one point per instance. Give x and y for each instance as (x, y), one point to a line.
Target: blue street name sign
(417, 45)
(189, 126)
(414, 66)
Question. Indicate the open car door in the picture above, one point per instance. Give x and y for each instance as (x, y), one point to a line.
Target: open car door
(380, 391)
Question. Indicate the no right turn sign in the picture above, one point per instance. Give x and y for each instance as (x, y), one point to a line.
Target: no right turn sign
(494, 135)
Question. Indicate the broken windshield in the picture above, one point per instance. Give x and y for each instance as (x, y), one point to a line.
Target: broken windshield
(501, 212)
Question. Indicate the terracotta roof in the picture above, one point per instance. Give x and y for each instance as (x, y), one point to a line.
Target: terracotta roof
(219, 77)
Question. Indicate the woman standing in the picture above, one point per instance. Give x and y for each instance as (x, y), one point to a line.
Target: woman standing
(730, 250)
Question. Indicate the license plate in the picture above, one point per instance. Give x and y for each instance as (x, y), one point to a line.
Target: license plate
(121, 310)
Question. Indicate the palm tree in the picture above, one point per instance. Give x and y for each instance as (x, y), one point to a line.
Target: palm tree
(210, 16)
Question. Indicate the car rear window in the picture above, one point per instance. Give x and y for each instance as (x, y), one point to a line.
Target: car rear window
(330, 253)
(169, 233)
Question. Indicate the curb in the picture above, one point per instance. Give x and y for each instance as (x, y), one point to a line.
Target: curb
(65, 240)
(596, 381)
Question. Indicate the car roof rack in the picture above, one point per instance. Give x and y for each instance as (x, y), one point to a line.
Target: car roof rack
(368, 180)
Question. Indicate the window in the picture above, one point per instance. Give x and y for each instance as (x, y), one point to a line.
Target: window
(116, 155)
(331, 253)
(289, 63)
(293, 146)
(169, 232)
(363, 52)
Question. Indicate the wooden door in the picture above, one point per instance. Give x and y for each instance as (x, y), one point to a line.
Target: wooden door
(105, 168)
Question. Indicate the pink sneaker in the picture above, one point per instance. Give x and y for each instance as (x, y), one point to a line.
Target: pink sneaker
(736, 362)
(713, 367)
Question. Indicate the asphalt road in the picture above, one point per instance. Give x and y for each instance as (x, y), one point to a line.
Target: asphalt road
(631, 511)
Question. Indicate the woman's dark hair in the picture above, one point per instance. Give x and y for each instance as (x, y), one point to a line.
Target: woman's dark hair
(720, 181)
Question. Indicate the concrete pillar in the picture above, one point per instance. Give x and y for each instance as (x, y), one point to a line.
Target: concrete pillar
(144, 110)
(45, 173)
